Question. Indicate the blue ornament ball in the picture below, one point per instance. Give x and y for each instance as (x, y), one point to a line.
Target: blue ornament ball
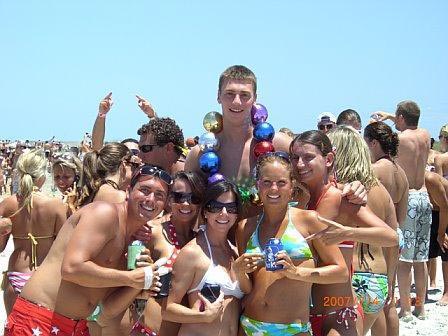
(264, 132)
(209, 162)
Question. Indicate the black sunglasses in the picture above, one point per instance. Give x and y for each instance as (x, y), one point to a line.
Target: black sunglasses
(152, 171)
(216, 207)
(134, 165)
(135, 151)
(148, 148)
(181, 197)
(326, 126)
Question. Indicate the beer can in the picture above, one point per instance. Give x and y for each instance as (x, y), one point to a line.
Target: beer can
(134, 249)
(273, 246)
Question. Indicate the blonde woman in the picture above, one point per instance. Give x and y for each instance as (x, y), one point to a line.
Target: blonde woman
(67, 170)
(374, 266)
(36, 220)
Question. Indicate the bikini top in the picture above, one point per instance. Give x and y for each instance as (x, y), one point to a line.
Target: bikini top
(216, 275)
(172, 237)
(293, 242)
(346, 243)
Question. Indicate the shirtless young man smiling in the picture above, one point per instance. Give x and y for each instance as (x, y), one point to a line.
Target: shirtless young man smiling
(86, 263)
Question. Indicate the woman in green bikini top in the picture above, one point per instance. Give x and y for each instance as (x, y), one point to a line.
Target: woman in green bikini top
(278, 303)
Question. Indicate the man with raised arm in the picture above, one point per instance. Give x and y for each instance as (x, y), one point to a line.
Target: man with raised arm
(86, 263)
(413, 154)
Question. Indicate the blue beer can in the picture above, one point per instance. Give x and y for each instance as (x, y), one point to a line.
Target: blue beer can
(273, 246)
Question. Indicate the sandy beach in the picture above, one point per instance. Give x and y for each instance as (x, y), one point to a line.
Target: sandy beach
(435, 324)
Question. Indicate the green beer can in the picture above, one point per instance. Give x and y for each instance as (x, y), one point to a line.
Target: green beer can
(133, 250)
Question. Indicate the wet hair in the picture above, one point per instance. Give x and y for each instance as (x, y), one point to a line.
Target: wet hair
(270, 159)
(348, 117)
(316, 138)
(195, 181)
(70, 161)
(30, 166)
(165, 130)
(98, 165)
(217, 189)
(352, 157)
(382, 133)
(129, 140)
(410, 112)
(238, 72)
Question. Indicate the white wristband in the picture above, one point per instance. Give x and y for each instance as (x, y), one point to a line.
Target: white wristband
(148, 277)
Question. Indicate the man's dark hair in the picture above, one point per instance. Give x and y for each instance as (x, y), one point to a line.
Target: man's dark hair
(129, 140)
(165, 130)
(238, 72)
(347, 117)
(410, 112)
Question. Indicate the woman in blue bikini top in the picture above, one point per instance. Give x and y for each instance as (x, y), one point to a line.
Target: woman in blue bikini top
(278, 303)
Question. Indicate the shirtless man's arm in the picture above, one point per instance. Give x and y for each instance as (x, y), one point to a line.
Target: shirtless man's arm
(91, 234)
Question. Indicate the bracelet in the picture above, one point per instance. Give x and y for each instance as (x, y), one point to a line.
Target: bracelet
(102, 115)
(148, 277)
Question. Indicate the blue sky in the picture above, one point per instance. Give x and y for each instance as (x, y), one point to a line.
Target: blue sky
(59, 58)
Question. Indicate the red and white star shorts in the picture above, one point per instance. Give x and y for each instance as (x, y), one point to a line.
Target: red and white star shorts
(30, 319)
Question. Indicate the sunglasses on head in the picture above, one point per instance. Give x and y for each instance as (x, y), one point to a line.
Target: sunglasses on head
(148, 148)
(280, 154)
(216, 207)
(181, 197)
(325, 127)
(149, 170)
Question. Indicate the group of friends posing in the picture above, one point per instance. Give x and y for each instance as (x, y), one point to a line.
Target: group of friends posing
(336, 201)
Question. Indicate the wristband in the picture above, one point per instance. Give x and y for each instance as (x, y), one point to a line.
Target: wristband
(400, 239)
(148, 277)
(102, 115)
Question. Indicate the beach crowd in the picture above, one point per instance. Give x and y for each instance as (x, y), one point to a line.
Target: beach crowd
(239, 231)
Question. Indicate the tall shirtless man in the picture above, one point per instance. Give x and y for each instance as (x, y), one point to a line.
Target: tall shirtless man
(86, 263)
(413, 154)
(237, 92)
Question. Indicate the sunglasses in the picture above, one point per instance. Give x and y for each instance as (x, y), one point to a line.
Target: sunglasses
(216, 207)
(325, 127)
(181, 197)
(134, 165)
(148, 148)
(280, 154)
(135, 151)
(149, 170)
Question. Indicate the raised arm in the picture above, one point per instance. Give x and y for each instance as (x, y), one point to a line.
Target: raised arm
(146, 107)
(99, 128)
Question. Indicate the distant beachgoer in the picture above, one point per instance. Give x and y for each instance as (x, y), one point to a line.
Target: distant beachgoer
(36, 220)
(412, 156)
(383, 146)
(441, 160)
(85, 264)
(326, 121)
(350, 117)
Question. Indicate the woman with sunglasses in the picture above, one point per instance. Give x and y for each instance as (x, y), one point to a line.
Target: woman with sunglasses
(278, 303)
(205, 262)
(374, 267)
(66, 174)
(35, 221)
(169, 234)
(334, 306)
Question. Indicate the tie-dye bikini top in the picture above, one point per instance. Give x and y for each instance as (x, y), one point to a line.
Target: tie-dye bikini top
(293, 242)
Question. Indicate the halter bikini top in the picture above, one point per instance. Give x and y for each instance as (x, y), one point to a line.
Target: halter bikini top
(218, 276)
(293, 242)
